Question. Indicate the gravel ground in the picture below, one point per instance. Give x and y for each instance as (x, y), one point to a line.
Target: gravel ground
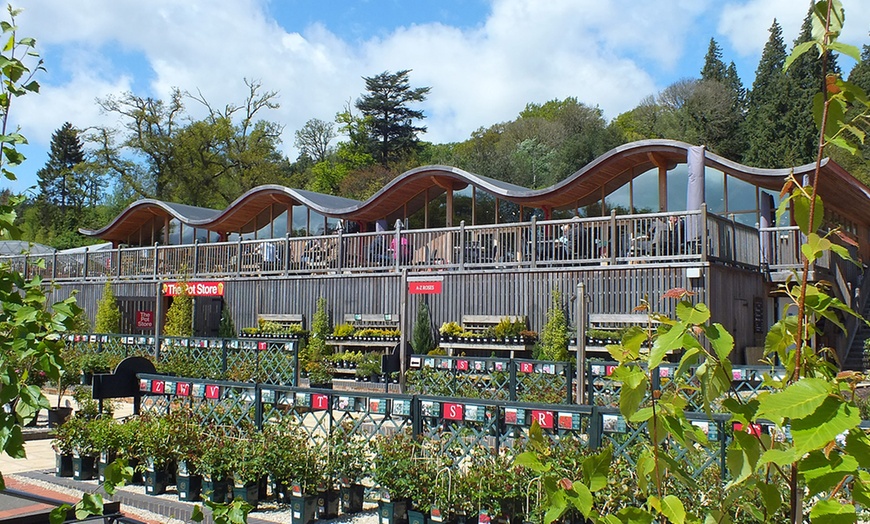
(269, 511)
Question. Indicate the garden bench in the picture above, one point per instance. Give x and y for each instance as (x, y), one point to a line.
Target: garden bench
(283, 319)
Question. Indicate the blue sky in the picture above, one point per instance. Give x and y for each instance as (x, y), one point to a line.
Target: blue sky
(484, 59)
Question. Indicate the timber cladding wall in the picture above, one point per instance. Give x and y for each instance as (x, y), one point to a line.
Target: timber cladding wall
(732, 295)
(610, 289)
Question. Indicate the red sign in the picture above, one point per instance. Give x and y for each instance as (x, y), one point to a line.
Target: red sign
(157, 386)
(319, 401)
(182, 389)
(544, 418)
(462, 365)
(194, 289)
(527, 367)
(212, 391)
(144, 319)
(428, 287)
(452, 411)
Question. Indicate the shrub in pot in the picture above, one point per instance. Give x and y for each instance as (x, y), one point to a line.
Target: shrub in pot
(248, 466)
(395, 473)
(157, 456)
(348, 465)
(215, 464)
(186, 445)
(63, 448)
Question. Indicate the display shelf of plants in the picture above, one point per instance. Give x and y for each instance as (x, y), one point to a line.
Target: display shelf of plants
(359, 349)
(504, 334)
(269, 329)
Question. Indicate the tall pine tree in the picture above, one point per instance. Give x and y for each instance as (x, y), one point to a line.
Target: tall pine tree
(714, 67)
(804, 80)
(769, 144)
(392, 133)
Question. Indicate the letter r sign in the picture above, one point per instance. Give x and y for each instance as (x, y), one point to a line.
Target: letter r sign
(544, 418)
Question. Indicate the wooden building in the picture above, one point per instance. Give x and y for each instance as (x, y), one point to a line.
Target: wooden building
(643, 218)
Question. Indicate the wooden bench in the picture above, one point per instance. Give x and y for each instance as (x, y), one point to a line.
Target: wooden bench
(480, 324)
(618, 321)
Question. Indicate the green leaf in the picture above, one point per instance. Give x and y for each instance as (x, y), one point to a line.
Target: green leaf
(796, 401)
(693, 314)
(580, 498)
(596, 468)
(832, 512)
(673, 509)
(802, 213)
(116, 474)
(197, 515)
(861, 489)
(742, 456)
(780, 457)
(720, 339)
(664, 343)
(796, 52)
(530, 460)
(846, 49)
(858, 446)
(58, 514)
(815, 431)
(771, 496)
(634, 387)
(822, 473)
(91, 504)
(634, 516)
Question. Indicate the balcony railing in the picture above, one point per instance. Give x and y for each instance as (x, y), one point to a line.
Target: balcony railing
(616, 239)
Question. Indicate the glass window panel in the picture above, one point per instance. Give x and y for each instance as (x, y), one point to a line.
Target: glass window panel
(484, 207)
(508, 212)
(438, 210)
(560, 214)
(714, 190)
(592, 210)
(529, 212)
(279, 224)
(749, 219)
(645, 192)
(741, 195)
(187, 234)
(417, 209)
(463, 202)
(316, 223)
(678, 185)
(300, 221)
(264, 223)
(174, 232)
(332, 225)
(620, 200)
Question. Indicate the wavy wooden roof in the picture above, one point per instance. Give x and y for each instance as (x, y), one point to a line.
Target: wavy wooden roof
(838, 189)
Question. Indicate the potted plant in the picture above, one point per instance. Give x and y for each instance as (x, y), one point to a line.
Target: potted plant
(157, 454)
(343, 331)
(90, 363)
(450, 331)
(394, 470)
(69, 376)
(248, 466)
(63, 450)
(348, 465)
(186, 447)
(84, 451)
(105, 435)
(215, 465)
(369, 368)
(290, 462)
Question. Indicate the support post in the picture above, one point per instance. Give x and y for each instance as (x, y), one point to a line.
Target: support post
(158, 318)
(582, 315)
(403, 337)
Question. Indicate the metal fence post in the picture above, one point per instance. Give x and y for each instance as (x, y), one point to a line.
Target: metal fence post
(612, 245)
(54, 265)
(581, 343)
(196, 257)
(533, 242)
(703, 239)
(84, 270)
(258, 410)
(239, 256)
(156, 258)
(462, 244)
(287, 255)
(595, 430)
(416, 416)
(397, 241)
(340, 263)
(512, 381)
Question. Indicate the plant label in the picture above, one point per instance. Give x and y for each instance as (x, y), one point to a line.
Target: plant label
(452, 411)
(157, 386)
(544, 418)
(212, 391)
(182, 389)
(319, 401)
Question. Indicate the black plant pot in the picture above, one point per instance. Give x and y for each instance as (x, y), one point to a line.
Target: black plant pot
(303, 509)
(215, 489)
(327, 504)
(248, 492)
(84, 468)
(189, 487)
(157, 478)
(395, 512)
(105, 458)
(352, 498)
(57, 416)
(63, 465)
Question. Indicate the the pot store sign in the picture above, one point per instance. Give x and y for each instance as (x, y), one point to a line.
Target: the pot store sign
(194, 289)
